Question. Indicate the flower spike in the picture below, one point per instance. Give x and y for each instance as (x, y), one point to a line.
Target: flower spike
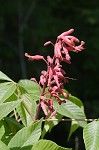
(53, 79)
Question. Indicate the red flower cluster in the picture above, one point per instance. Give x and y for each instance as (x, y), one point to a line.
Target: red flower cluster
(54, 78)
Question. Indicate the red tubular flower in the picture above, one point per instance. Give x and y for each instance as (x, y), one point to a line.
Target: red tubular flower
(42, 80)
(50, 60)
(80, 47)
(67, 32)
(43, 106)
(35, 57)
(47, 43)
(57, 50)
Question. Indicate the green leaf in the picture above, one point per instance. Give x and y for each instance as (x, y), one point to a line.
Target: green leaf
(76, 101)
(6, 90)
(47, 145)
(13, 125)
(5, 132)
(71, 110)
(26, 136)
(3, 146)
(91, 136)
(4, 77)
(7, 137)
(31, 87)
(74, 127)
(2, 129)
(27, 103)
(22, 113)
(48, 125)
(6, 108)
(74, 124)
(13, 97)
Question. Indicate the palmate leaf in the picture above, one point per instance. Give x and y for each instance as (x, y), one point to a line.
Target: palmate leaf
(4, 77)
(27, 102)
(26, 136)
(47, 145)
(71, 110)
(3, 146)
(6, 90)
(6, 108)
(91, 136)
(31, 87)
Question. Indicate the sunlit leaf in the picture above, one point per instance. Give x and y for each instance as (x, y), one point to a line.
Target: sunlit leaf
(6, 90)
(31, 87)
(4, 77)
(6, 108)
(47, 145)
(26, 136)
(22, 113)
(91, 136)
(2, 129)
(76, 101)
(27, 103)
(3, 146)
(71, 110)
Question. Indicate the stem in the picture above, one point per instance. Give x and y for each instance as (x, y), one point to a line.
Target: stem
(39, 104)
(27, 109)
(16, 117)
(38, 110)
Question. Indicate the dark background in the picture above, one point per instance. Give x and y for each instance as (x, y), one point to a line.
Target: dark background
(26, 25)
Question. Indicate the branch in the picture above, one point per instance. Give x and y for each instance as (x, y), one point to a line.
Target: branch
(69, 119)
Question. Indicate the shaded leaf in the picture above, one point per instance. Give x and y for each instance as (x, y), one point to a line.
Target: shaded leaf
(47, 145)
(7, 137)
(26, 136)
(7, 132)
(6, 108)
(13, 97)
(91, 136)
(13, 125)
